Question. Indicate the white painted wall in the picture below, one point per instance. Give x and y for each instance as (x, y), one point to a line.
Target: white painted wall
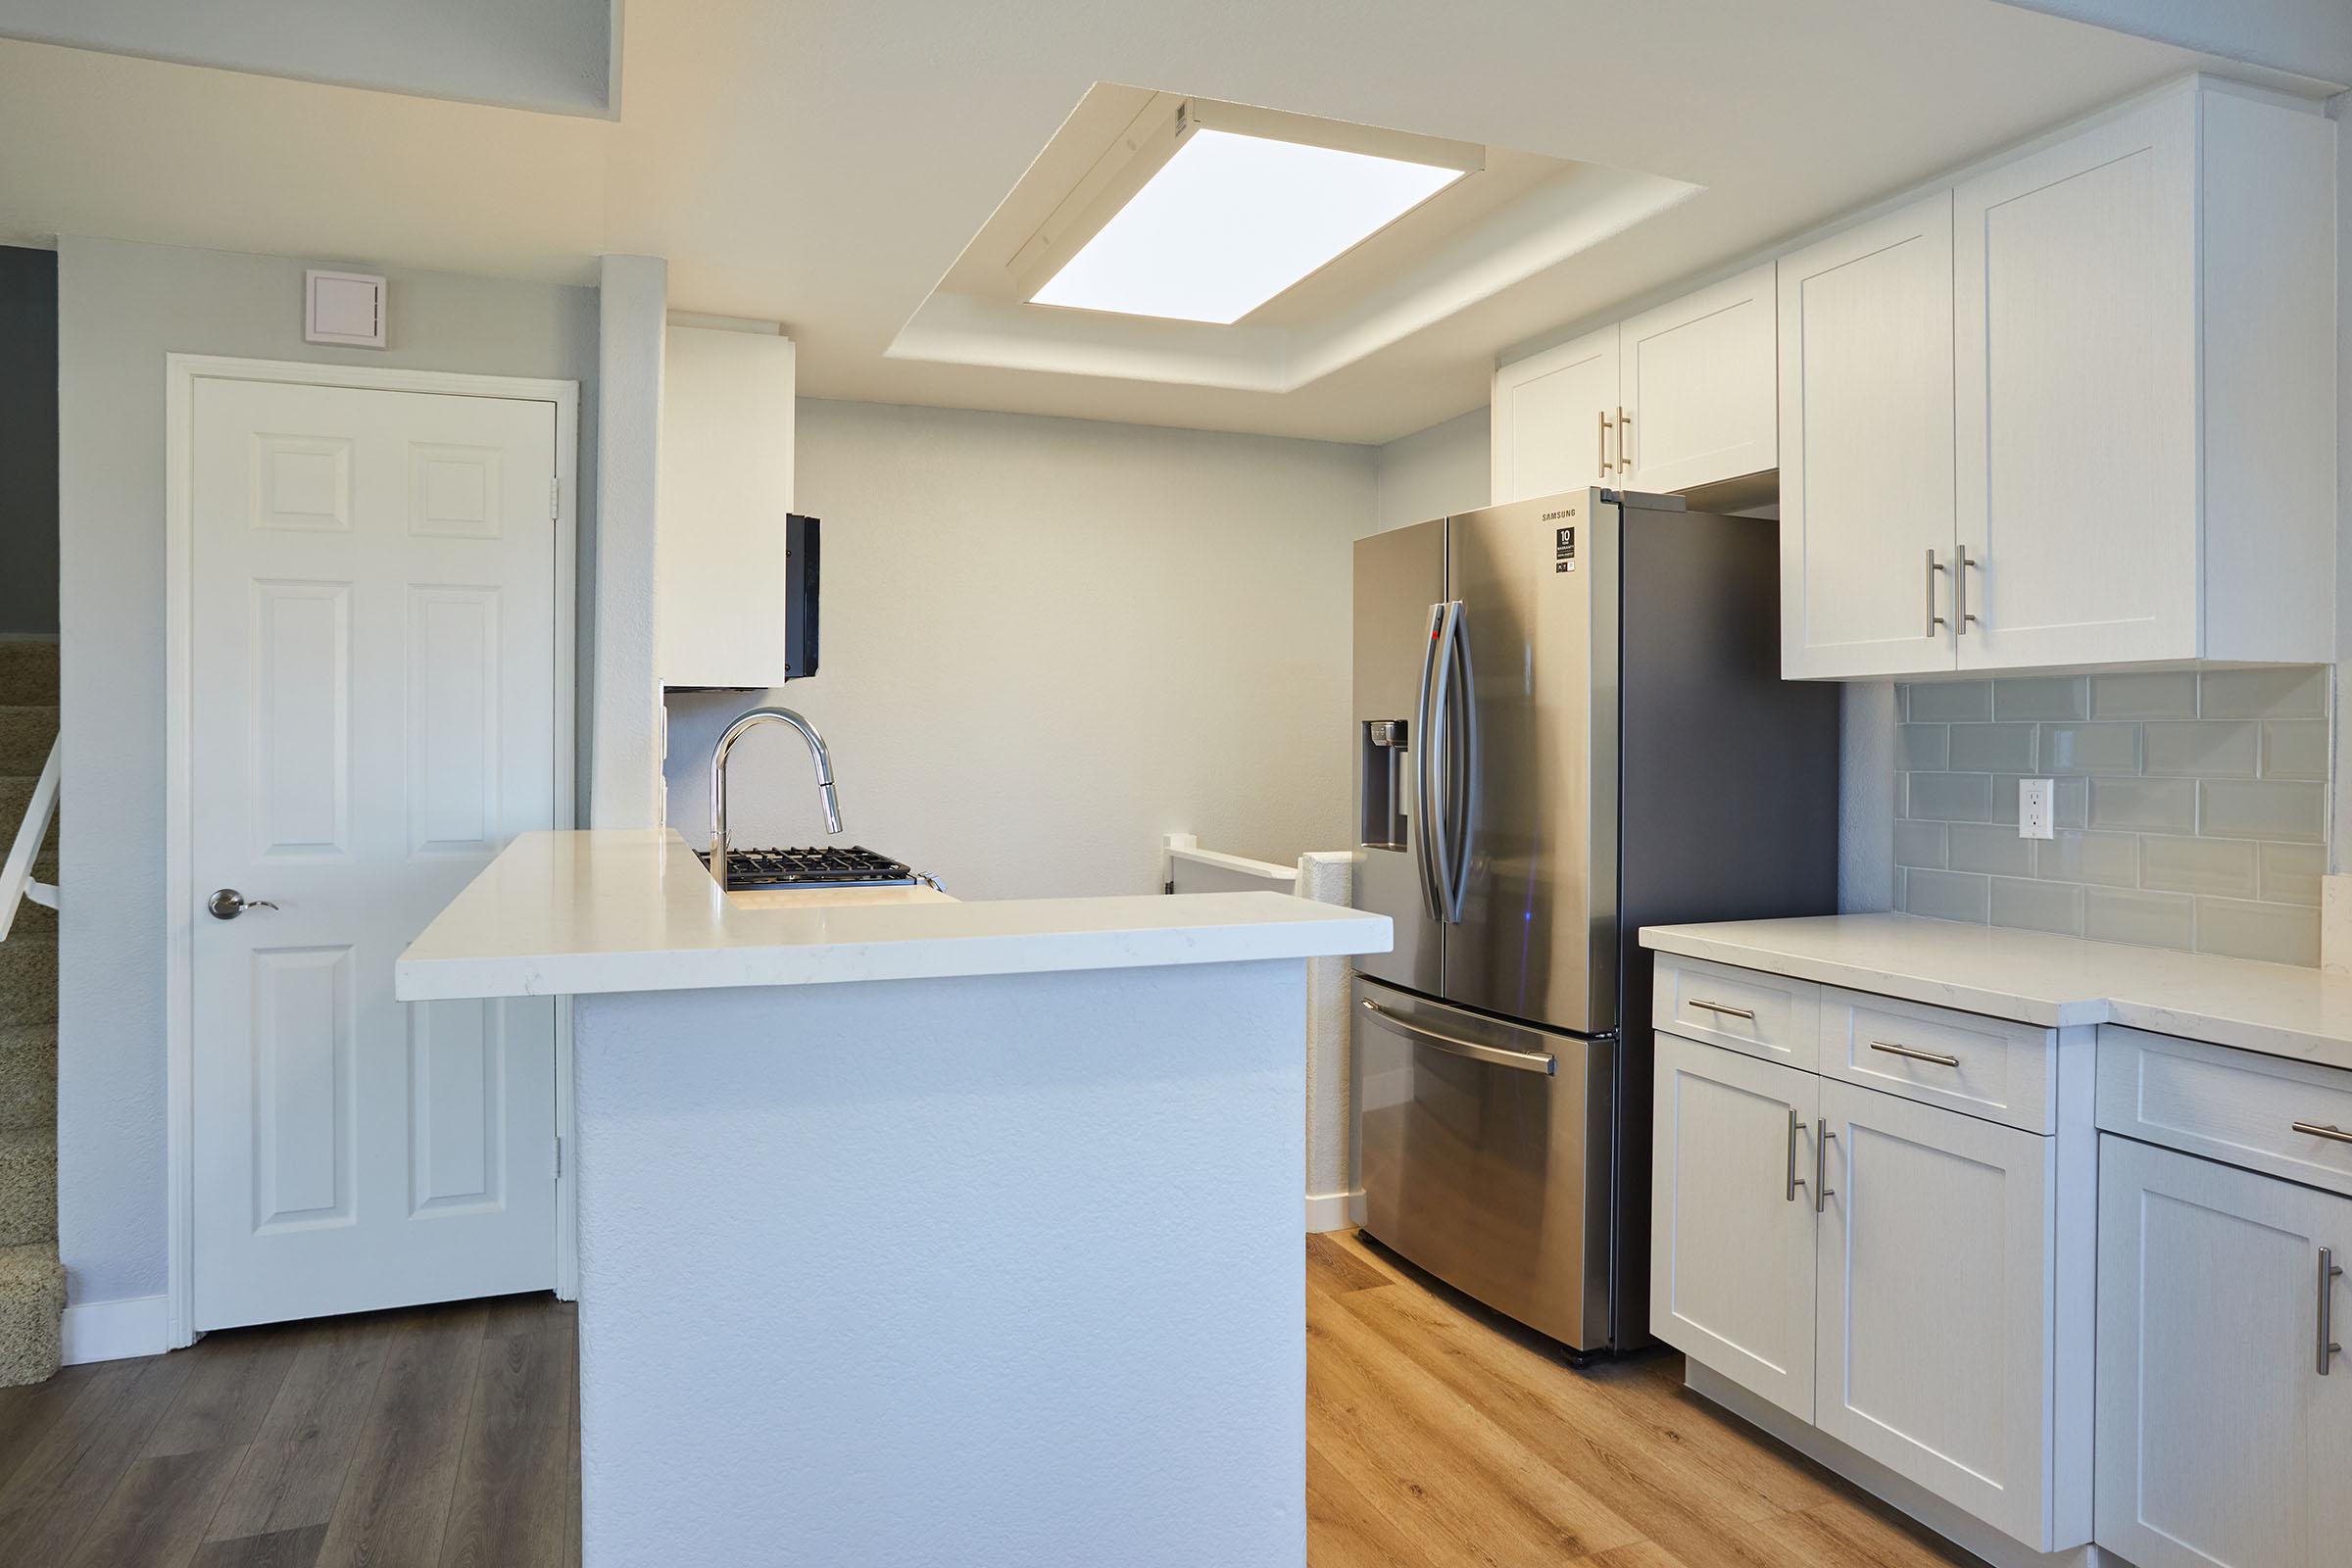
(1048, 642)
(1446, 469)
(121, 308)
(623, 727)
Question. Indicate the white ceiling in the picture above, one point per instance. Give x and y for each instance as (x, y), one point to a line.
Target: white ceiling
(825, 162)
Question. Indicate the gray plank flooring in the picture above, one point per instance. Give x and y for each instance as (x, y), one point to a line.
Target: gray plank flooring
(428, 1437)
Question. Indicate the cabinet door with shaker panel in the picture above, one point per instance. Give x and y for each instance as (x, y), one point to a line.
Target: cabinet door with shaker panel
(1866, 449)
(1555, 420)
(1696, 377)
(1734, 1170)
(2224, 1410)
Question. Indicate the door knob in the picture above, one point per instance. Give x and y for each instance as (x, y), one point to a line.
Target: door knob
(227, 903)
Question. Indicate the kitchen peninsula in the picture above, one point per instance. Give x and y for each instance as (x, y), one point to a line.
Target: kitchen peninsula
(917, 1231)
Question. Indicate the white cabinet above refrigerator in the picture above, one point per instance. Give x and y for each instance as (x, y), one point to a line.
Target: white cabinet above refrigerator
(723, 495)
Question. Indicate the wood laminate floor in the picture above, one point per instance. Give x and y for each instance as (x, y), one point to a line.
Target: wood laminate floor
(439, 1436)
(1439, 1433)
(448, 1437)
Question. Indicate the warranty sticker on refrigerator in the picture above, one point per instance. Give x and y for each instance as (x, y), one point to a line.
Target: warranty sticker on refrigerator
(1564, 553)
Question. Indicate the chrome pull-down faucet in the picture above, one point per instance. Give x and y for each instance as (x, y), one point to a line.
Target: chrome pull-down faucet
(743, 725)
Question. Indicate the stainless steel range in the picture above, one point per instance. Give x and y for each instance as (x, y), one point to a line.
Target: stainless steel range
(853, 867)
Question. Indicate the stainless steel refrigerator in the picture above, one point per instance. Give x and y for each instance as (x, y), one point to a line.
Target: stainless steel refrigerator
(1569, 724)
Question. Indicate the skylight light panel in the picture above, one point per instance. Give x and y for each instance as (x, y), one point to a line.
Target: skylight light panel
(1231, 221)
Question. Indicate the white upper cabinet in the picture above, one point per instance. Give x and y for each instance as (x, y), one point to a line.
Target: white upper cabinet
(1696, 384)
(1556, 418)
(1866, 447)
(721, 498)
(1675, 398)
(2224, 1429)
(2146, 379)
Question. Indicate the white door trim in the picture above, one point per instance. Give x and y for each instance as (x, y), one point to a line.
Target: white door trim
(181, 372)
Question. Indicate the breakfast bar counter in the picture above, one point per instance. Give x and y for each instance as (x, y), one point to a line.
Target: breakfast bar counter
(915, 1231)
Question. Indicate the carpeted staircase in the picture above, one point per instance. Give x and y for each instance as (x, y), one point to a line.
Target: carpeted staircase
(32, 1285)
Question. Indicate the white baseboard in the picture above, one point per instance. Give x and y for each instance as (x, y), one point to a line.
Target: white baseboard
(110, 1331)
(1898, 1492)
(1333, 1211)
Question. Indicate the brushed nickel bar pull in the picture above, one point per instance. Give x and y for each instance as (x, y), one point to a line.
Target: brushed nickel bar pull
(2330, 1131)
(1726, 1010)
(1605, 439)
(1796, 1125)
(2329, 1271)
(1933, 566)
(1912, 1054)
(1962, 618)
(1625, 428)
(1821, 1190)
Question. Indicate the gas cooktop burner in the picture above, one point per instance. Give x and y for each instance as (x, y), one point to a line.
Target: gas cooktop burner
(854, 866)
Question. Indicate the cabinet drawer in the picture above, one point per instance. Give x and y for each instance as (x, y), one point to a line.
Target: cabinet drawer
(1765, 1016)
(2236, 1106)
(1987, 1067)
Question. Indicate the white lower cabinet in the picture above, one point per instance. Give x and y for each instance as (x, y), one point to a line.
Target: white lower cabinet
(1732, 1216)
(1889, 1271)
(1935, 1293)
(2224, 1425)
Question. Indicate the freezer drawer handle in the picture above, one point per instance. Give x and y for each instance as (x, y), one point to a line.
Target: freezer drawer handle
(1914, 1053)
(1722, 1008)
(1494, 1055)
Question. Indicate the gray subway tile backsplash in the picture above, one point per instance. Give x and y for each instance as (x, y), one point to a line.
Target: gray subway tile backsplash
(2283, 933)
(1989, 847)
(2285, 692)
(2092, 749)
(2191, 807)
(2148, 805)
(1948, 896)
(2263, 809)
(2042, 697)
(2205, 748)
(1948, 798)
(1922, 748)
(2163, 693)
(1951, 701)
(2294, 747)
(1990, 749)
(1921, 844)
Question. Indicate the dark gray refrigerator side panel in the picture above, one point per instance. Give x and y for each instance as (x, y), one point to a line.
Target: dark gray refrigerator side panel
(1399, 576)
(1537, 935)
(1728, 782)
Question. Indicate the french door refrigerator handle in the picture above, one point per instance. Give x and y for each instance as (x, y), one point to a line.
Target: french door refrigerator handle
(1423, 744)
(1475, 1049)
(1462, 748)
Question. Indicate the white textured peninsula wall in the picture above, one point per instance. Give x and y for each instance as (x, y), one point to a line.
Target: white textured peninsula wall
(994, 1270)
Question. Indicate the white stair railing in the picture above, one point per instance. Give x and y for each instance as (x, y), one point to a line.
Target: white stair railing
(16, 875)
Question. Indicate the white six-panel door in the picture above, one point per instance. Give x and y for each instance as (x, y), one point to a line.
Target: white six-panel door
(371, 696)
(2220, 1444)
(1731, 1217)
(1935, 1291)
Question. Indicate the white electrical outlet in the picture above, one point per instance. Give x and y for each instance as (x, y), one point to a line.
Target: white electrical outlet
(2035, 814)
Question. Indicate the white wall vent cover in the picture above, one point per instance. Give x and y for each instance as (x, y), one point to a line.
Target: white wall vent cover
(344, 308)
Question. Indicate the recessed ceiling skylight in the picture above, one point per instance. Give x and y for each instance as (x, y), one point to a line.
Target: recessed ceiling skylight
(1231, 221)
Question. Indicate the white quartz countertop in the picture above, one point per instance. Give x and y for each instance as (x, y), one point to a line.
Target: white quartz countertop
(577, 913)
(2279, 1010)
